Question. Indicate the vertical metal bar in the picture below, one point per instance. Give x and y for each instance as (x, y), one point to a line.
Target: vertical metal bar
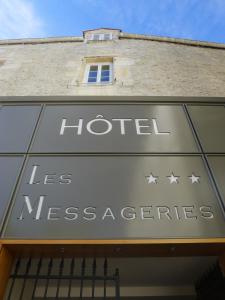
(93, 278)
(25, 278)
(105, 275)
(60, 275)
(36, 279)
(13, 280)
(117, 282)
(72, 265)
(48, 274)
(82, 278)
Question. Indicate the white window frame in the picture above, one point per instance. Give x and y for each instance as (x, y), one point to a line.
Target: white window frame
(99, 82)
(102, 36)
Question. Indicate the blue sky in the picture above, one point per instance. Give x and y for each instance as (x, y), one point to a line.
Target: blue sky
(190, 19)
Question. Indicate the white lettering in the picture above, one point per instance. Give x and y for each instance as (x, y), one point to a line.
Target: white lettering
(90, 211)
(65, 179)
(129, 215)
(138, 126)
(122, 125)
(99, 119)
(164, 210)
(31, 181)
(30, 208)
(206, 212)
(188, 211)
(79, 126)
(49, 179)
(156, 130)
(146, 212)
(71, 211)
(51, 212)
(177, 212)
(108, 213)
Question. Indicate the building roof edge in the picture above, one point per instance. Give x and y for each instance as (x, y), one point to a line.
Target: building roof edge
(180, 41)
(48, 40)
(123, 35)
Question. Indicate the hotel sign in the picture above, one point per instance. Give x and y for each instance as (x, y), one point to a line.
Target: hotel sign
(117, 197)
(114, 129)
(107, 171)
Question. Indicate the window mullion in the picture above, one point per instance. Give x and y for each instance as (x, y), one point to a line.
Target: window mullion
(110, 72)
(99, 73)
(88, 72)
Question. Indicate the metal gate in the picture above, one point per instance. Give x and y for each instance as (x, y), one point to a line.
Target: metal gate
(62, 278)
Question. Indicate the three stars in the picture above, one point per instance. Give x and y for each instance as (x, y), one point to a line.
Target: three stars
(172, 178)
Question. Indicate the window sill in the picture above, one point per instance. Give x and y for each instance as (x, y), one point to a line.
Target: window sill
(97, 84)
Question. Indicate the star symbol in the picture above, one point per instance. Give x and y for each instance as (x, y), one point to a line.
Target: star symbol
(194, 179)
(173, 179)
(151, 178)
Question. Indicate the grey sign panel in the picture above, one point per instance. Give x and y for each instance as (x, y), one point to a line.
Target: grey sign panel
(9, 170)
(209, 122)
(217, 164)
(17, 124)
(115, 197)
(114, 129)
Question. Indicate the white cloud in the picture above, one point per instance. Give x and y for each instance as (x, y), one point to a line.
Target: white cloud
(18, 19)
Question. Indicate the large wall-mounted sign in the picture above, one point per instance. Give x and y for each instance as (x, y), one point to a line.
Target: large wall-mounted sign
(114, 129)
(112, 171)
(209, 122)
(9, 171)
(115, 197)
(17, 124)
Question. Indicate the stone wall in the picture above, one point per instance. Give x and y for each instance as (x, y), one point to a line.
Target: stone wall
(141, 67)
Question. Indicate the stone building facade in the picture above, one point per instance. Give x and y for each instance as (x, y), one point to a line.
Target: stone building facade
(142, 66)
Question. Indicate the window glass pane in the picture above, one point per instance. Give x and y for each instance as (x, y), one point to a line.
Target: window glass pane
(105, 73)
(105, 67)
(93, 68)
(104, 79)
(92, 79)
(93, 74)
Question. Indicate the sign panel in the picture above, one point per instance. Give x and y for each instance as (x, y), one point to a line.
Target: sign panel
(114, 129)
(115, 197)
(217, 164)
(209, 122)
(17, 124)
(9, 170)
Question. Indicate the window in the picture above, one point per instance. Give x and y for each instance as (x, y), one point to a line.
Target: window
(107, 36)
(99, 73)
(102, 36)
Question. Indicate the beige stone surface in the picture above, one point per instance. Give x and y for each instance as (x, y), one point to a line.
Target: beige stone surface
(141, 67)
